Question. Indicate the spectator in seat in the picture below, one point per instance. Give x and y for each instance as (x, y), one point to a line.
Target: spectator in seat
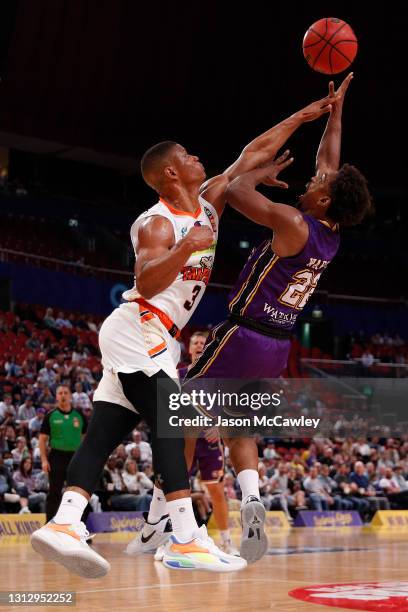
(49, 320)
(3, 441)
(47, 374)
(330, 485)
(361, 487)
(317, 493)
(269, 452)
(13, 370)
(21, 451)
(61, 322)
(34, 425)
(30, 367)
(295, 477)
(11, 437)
(145, 448)
(356, 502)
(26, 411)
(7, 410)
(399, 479)
(25, 484)
(391, 488)
(279, 489)
(80, 399)
(229, 486)
(33, 342)
(46, 399)
(134, 492)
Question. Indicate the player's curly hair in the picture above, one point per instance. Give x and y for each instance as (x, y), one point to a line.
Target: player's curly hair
(350, 197)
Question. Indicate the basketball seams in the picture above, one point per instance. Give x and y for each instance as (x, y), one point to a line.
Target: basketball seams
(328, 42)
(334, 47)
(330, 59)
(322, 38)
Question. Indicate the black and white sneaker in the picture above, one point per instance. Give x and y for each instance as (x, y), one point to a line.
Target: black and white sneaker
(151, 536)
(254, 543)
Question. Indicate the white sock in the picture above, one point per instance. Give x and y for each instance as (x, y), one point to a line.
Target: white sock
(249, 482)
(158, 506)
(225, 536)
(71, 508)
(182, 519)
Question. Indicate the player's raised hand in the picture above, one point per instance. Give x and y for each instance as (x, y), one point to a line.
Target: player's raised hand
(273, 169)
(338, 96)
(199, 238)
(317, 109)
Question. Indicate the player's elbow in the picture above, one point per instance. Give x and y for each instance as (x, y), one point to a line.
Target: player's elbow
(144, 287)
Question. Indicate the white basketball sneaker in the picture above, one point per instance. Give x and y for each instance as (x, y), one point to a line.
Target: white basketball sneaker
(254, 543)
(151, 537)
(200, 554)
(66, 544)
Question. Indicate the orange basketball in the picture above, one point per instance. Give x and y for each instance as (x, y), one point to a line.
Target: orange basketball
(330, 45)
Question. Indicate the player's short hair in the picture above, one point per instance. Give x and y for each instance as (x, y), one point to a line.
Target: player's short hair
(350, 197)
(152, 161)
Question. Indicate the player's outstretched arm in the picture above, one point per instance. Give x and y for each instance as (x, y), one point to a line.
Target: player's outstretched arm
(290, 229)
(159, 258)
(261, 150)
(328, 154)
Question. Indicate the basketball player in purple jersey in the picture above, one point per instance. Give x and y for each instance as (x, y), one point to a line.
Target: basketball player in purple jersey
(275, 285)
(209, 459)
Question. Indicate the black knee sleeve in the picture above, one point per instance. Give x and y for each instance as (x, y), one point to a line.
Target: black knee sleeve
(168, 453)
(109, 425)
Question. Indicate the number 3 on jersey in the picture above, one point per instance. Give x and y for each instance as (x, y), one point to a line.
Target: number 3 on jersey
(299, 291)
(188, 305)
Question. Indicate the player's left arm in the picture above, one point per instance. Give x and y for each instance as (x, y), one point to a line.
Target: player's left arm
(261, 150)
(328, 154)
(290, 230)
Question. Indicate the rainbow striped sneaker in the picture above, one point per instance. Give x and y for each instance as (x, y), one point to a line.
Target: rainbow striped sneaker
(199, 554)
(66, 544)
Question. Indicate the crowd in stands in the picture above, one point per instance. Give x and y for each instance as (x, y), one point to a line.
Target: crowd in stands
(41, 349)
(381, 354)
(73, 247)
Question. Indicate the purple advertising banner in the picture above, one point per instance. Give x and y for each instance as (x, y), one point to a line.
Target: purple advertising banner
(329, 518)
(98, 522)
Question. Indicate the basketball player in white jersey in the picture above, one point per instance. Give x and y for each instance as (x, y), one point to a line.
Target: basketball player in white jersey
(174, 244)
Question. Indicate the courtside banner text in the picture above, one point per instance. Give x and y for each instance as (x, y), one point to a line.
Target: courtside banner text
(295, 408)
(98, 522)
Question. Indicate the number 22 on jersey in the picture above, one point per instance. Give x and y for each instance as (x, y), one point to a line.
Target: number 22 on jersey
(299, 291)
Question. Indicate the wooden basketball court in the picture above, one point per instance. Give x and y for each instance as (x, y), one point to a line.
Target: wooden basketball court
(299, 558)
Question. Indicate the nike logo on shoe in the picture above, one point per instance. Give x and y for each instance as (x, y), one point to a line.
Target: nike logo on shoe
(149, 537)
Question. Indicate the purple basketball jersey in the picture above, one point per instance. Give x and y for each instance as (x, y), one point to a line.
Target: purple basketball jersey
(274, 290)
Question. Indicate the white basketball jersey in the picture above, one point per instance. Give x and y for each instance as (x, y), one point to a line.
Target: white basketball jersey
(182, 297)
